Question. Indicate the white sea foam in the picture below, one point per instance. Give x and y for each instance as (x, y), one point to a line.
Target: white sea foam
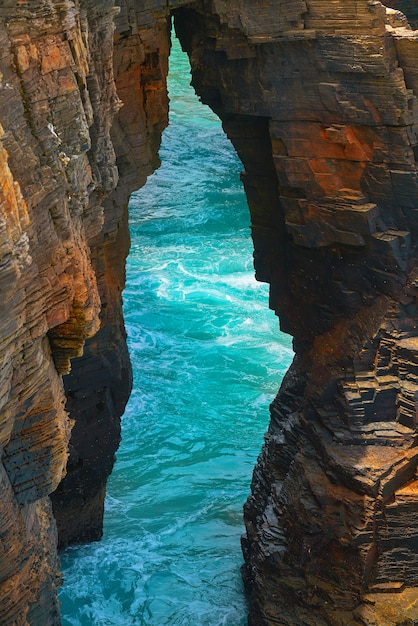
(208, 359)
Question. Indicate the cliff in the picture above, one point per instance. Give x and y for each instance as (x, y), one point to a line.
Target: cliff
(319, 100)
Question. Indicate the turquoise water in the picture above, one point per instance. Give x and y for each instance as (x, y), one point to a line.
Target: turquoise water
(208, 358)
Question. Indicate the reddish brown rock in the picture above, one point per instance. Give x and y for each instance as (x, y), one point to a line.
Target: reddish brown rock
(50, 212)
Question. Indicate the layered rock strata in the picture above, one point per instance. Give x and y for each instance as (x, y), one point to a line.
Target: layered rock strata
(49, 298)
(57, 164)
(68, 162)
(319, 100)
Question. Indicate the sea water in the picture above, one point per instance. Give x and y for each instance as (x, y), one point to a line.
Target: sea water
(208, 358)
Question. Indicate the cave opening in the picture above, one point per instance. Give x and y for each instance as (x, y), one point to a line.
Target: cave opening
(207, 358)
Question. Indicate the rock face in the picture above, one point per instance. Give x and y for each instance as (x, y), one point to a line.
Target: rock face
(68, 161)
(49, 296)
(320, 101)
(321, 107)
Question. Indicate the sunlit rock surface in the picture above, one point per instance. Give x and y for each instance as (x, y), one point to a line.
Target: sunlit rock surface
(319, 99)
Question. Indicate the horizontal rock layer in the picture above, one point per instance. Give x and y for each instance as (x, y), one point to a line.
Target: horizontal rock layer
(319, 100)
(57, 165)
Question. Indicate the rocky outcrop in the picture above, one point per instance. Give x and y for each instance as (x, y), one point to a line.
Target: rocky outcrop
(99, 382)
(319, 100)
(320, 103)
(68, 162)
(49, 302)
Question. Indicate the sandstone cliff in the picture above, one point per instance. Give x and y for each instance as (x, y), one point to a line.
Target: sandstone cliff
(319, 100)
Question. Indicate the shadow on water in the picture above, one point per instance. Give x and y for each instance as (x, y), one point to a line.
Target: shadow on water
(208, 358)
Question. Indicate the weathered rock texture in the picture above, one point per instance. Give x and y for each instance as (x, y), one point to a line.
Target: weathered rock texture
(320, 101)
(57, 163)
